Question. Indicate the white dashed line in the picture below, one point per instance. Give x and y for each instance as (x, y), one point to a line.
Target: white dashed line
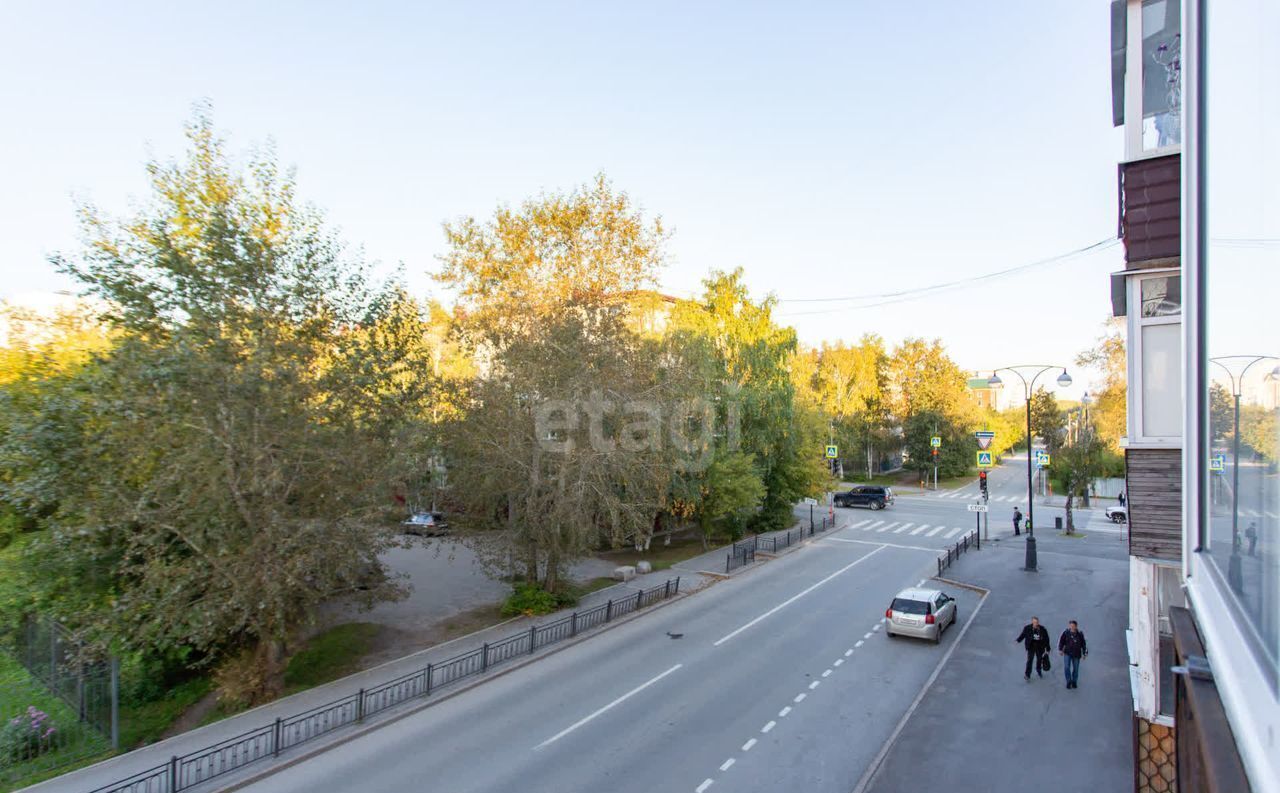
(884, 620)
(905, 526)
(782, 714)
(859, 644)
(727, 764)
(849, 652)
(769, 726)
(923, 526)
(935, 531)
(795, 597)
(876, 628)
(874, 525)
(838, 662)
(799, 698)
(706, 783)
(746, 747)
(954, 532)
(814, 684)
(859, 524)
(866, 635)
(827, 673)
(886, 527)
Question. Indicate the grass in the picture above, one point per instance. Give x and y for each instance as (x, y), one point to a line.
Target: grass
(81, 743)
(146, 722)
(329, 655)
(660, 556)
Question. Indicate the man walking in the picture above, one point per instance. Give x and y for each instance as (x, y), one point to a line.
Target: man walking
(1017, 521)
(1251, 534)
(1035, 639)
(1072, 647)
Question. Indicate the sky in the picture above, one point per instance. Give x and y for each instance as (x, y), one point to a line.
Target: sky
(828, 149)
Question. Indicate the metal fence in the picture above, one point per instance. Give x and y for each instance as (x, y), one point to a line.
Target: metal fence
(269, 740)
(970, 541)
(742, 553)
(52, 655)
(39, 732)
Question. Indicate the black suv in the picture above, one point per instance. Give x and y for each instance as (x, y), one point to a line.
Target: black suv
(873, 496)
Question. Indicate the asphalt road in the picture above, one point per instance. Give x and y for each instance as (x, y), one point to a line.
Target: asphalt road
(782, 680)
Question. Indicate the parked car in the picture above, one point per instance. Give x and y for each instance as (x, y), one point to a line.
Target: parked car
(426, 524)
(873, 496)
(922, 613)
(1118, 514)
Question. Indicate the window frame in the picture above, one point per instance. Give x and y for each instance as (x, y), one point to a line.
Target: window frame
(1137, 438)
(1133, 113)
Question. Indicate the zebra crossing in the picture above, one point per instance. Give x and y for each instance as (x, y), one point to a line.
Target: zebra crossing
(908, 528)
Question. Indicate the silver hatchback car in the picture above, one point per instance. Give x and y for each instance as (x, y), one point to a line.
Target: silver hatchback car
(922, 613)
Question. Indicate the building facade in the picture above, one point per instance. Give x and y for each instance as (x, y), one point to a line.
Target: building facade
(1199, 211)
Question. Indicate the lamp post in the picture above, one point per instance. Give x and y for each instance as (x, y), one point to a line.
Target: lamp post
(1235, 576)
(1028, 388)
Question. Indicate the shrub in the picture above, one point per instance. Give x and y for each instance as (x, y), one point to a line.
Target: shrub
(27, 736)
(528, 600)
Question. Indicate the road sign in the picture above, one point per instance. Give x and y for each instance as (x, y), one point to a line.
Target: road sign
(977, 507)
(935, 441)
(832, 451)
(1042, 460)
(1218, 463)
(984, 438)
(984, 460)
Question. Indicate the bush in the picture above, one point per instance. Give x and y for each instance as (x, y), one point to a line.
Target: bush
(329, 655)
(528, 600)
(27, 736)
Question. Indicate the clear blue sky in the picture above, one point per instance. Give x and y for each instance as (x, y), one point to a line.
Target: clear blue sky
(827, 148)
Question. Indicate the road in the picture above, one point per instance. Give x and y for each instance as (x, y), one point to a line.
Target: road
(782, 680)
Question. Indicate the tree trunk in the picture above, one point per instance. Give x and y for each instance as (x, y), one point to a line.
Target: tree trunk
(1071, 493)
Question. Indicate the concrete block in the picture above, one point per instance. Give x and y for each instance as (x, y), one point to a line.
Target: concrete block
(624, 572)
(643, 567)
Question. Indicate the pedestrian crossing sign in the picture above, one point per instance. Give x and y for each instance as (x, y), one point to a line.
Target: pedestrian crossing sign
(1218, 463)
(832, 451)
(1042, 460)
(984, 460)
(935, 441)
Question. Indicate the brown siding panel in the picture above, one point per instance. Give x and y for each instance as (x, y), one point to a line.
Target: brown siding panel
(1150, 208)
(1153, 486)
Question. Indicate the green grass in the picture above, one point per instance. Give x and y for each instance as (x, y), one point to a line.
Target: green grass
(594, 585)
(329, 655)
(146, 722)
(660, 556)
(81, 744)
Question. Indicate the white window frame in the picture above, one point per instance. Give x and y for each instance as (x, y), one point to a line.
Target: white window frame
(1137, 439)
(1133, 66)
(1247, 686)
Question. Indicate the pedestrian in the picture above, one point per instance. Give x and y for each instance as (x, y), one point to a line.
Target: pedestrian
(1017, 521)
(1251, 534)
(1122, 498)
(1035, 640)
(1072, 647)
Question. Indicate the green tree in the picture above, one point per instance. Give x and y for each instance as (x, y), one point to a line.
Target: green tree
(1221, 412)
(1109, 410)
(956, 455)
(226, 459)
(1048, 421)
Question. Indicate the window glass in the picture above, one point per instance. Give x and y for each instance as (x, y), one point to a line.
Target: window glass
(1240, 536)
(1161, 380)
(910, 606)
(1162, 297)
(1161, 73)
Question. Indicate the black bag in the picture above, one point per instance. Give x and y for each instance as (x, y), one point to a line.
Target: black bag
(1044, 662)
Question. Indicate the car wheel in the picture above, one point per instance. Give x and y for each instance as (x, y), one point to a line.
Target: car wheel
(877, 505)
(937, 635)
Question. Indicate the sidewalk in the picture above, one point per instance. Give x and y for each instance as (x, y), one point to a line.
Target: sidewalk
(995, 733)
(147, 757)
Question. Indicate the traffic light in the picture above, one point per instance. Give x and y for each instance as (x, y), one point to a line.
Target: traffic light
(982, 481)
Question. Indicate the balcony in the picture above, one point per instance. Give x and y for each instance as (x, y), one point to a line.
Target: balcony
(1151, 211)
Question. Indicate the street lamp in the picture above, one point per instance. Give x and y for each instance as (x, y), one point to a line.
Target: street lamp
(1028, 388)
(1235, 577)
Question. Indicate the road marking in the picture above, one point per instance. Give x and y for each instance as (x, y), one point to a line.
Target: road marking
(838, 662)
(616, 702)
(859, 644)
(799, 698)
(873, 525)
(935, 531)
(746, 747)
(882, 544)
(706, 783)
(796, 597)
(883, 620)
(782, 714)
(866, 635)
(859, 524)
(849, 652)
(954, 532)
(956, 494)
(876, 628)
(827, 673)
(727, 764)
(922, 580)
(886, 527)
(905, 526)
(923, 526)
(814, 684)
(769, 726)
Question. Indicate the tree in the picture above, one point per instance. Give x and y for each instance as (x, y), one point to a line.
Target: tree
(955, 456)
(1077, 465)
(231, 452)
(1221, 412)
(1109, 410)
(923, 378)
(1048, 421)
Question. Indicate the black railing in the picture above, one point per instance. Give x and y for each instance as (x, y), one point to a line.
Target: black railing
(970, 541)
(189, 770)
(741, 554)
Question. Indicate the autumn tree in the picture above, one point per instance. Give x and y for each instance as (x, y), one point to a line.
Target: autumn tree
(1109, 410)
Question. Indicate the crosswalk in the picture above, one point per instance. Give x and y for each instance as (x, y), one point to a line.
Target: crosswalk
(970, 494)
(908, 528)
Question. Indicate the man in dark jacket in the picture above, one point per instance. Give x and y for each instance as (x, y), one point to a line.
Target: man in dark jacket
(1017, 521)
(1035, 639)
(1072, 646)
